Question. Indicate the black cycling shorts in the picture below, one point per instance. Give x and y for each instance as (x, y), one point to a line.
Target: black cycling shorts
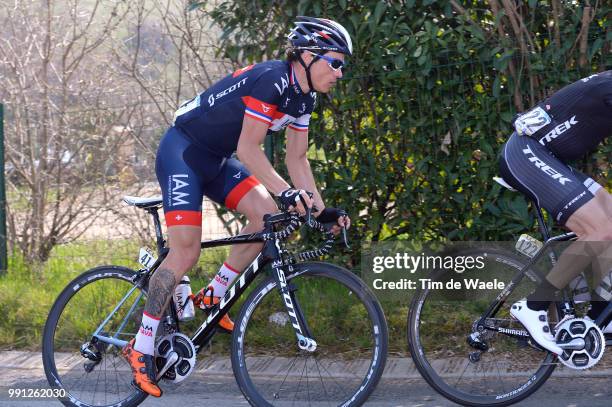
(186, 173)
(531, 168)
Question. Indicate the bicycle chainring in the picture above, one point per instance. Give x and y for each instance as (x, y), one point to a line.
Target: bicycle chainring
(594, 343)
(184, 348)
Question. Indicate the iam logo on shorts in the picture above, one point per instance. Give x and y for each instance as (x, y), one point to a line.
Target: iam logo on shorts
(177, 184)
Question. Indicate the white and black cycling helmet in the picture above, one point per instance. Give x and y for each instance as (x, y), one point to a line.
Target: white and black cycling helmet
(311, 33)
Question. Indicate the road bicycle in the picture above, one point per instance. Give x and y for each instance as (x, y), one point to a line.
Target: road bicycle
(487, 358)
(317, 325)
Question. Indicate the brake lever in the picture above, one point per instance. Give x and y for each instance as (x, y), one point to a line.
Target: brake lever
(309, 216)
(345, 238)
(309, 210)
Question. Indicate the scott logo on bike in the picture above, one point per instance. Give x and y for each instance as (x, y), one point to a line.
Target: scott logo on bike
(252, 269)
(176, 183)
(288, 301)
(545, 167)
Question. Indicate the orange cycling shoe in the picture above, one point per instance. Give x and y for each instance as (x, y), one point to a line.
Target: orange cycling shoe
(206, 301)
(143, 369)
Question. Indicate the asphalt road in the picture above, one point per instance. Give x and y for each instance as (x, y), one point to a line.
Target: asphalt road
(213, 384)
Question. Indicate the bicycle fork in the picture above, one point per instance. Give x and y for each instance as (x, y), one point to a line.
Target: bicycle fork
(287, 292)
(298, 321)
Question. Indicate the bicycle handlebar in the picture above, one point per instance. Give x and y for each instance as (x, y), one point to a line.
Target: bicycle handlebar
(294, 221)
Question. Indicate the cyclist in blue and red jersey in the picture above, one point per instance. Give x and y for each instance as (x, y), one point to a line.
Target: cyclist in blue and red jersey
(196, 158)
(569, 124)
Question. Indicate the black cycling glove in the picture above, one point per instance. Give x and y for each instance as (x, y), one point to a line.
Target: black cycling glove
(290, 197)
(329, 215)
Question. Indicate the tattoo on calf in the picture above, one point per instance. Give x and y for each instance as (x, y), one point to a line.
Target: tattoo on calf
(161, 287)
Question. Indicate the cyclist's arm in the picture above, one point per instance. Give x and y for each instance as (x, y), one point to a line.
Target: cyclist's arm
(249, 152)
(298, 165)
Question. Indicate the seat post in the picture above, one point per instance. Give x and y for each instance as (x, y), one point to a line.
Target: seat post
(541, 223)
(159, 237)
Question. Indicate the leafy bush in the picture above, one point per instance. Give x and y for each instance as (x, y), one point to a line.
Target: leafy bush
(408, 141)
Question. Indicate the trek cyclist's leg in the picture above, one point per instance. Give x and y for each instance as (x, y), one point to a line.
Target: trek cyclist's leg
(605, 198)
(532, 169)
(602, 284)
(593, 223)
(238, 190)
(182, 197)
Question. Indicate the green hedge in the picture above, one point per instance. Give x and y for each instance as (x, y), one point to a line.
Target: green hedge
(409, 140)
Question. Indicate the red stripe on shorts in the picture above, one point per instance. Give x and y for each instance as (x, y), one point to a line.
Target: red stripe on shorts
(184, 218)
(235, 195)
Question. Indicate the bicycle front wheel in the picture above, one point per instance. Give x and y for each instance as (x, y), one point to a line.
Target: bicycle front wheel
(347, 323)
(509, 370)
(87, 372)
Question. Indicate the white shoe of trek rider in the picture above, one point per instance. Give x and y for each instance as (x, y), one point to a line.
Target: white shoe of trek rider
(536, 322)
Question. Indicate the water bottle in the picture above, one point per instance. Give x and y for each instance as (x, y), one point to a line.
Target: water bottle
(182, 300)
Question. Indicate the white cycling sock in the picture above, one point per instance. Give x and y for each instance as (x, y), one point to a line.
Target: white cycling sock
(224, 278)
(145, 338)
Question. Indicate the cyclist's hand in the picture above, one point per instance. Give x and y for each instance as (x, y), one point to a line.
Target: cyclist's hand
(295, 200)
(336, 216)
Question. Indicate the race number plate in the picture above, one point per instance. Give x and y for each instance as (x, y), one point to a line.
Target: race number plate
(146, 257)
(528, 245)
(529, 123)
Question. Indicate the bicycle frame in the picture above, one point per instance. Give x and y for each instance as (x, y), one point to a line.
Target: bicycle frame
(564, 307)
(272, 253)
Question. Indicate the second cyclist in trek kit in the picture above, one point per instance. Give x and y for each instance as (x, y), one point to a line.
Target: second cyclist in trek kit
(572, 122)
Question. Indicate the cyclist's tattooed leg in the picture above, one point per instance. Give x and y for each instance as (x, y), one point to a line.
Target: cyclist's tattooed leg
(161, 287)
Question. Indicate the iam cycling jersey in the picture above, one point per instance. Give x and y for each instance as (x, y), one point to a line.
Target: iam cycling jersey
(563, 127)
(267, 92)
(194, 156)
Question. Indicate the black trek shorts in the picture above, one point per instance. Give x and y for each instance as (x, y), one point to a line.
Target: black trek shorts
(531, 168)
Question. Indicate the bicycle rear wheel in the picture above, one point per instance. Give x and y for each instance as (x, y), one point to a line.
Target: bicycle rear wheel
(438, 327)
(105, 378)
(347, 323)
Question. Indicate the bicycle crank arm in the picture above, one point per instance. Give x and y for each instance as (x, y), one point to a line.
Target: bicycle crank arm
(574, 344)
(171, 359)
